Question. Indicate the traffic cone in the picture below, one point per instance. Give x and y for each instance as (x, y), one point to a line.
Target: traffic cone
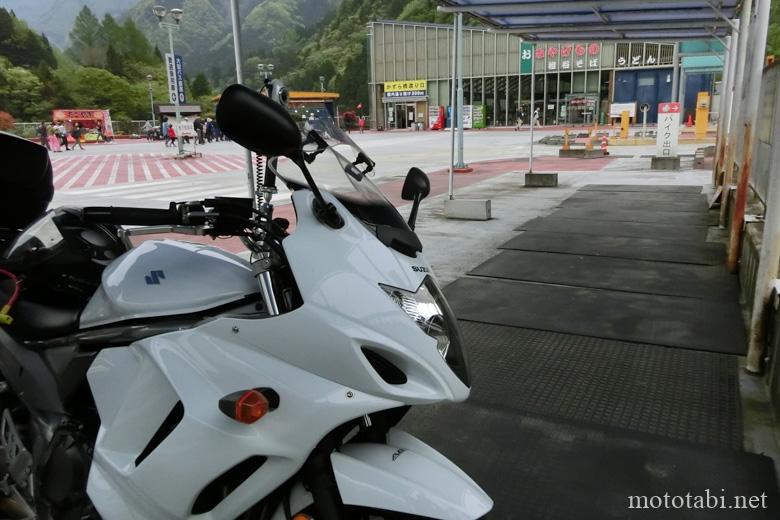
(604, 142)
(689, 122)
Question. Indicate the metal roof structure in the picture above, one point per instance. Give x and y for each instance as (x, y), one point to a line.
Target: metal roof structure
(561, 20)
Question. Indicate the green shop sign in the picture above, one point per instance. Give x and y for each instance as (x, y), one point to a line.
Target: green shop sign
(478, 116)
(526, 57)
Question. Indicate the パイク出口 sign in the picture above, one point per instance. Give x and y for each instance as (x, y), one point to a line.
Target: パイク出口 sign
(668, 129)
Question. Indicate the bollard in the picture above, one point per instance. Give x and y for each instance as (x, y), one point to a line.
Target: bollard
(565, 138)
(624, 117)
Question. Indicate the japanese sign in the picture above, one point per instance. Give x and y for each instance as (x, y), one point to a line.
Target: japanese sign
(563, 57)
(638, 55)
(668, 129)
(175, 68)
(526, 57)
(467, 122)
(415, 85)
(405, 93)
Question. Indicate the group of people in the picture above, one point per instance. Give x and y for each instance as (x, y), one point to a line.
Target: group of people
(205, 130)
(520, 117)
(55, 135)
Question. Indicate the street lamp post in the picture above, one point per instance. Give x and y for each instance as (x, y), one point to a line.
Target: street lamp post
(160, 11)
(151, 97)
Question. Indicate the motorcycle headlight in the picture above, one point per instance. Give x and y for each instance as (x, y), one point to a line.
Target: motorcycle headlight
(428, 308)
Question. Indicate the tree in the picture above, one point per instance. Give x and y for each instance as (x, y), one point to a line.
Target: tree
(20, 91)
(6, 121)
(114, 61)
(773, 35)
(86, 39)
(200, 85)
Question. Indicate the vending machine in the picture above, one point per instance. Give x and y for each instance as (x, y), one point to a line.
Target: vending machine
(437, 117)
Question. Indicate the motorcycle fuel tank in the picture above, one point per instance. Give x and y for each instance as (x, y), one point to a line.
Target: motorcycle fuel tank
(166, 277)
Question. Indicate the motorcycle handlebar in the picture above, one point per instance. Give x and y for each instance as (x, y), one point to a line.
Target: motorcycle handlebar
(132, 216)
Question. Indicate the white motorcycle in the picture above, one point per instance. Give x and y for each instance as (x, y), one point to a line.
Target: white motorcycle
(175, 380)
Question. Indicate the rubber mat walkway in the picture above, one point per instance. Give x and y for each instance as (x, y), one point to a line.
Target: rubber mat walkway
(604, 343)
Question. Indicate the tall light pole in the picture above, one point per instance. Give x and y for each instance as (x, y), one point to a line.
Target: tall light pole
(322, 83)
(266, 70)
(176, 14)
(151, 97)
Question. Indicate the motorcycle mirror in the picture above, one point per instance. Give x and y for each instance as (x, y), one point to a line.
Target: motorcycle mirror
(257, 123)
(416, 188)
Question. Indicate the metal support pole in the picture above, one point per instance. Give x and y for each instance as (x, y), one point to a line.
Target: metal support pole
(151, 103)
(240, 79)
(736, 109)
(727, 85)
(179, 138)
(769, 257)
(759, 29)
(533, 109)
(452, 106)
(675, 72)
(459, 97)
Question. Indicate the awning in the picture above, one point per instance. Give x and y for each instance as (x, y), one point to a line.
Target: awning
(699, 64)
(563, 20)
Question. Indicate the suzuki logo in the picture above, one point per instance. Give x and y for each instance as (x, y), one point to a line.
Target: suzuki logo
(154, 277)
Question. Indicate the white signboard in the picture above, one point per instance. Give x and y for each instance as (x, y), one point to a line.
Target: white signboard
(186, 128)
(467, 116)
(617, 109)
(175, 69)
(668, 129)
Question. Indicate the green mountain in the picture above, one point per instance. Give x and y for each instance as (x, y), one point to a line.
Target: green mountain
(205, 37)
(338, 50)
(55, 18)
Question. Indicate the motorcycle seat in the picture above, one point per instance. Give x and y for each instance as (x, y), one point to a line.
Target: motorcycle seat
(36, 321)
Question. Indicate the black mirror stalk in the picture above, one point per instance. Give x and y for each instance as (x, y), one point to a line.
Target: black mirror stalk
(417, 186)
(415, 207)
(325, 211)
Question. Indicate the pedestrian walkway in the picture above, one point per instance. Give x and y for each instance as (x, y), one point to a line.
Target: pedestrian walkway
(74, 171)
(604, 351)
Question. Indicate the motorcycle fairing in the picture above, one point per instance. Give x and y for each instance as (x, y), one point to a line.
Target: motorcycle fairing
(408, 476)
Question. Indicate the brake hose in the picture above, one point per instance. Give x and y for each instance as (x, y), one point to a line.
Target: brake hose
(5, 318)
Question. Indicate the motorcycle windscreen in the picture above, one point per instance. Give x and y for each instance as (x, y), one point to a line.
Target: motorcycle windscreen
(340, 166)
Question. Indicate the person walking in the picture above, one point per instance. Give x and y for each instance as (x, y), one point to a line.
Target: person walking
(99, 128)
(147, 130)
(43, 136)
(52, 138)
(76, 134)
(536, 118)
(62, 135)
(164, 128)
(197, 124)
(361, 123)
(519, 116)
(171, 136)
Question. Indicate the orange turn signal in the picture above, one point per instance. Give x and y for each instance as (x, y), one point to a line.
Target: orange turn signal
(249, 406)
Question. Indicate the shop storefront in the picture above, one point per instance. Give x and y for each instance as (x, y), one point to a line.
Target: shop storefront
(574, 82)
(405, 103)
